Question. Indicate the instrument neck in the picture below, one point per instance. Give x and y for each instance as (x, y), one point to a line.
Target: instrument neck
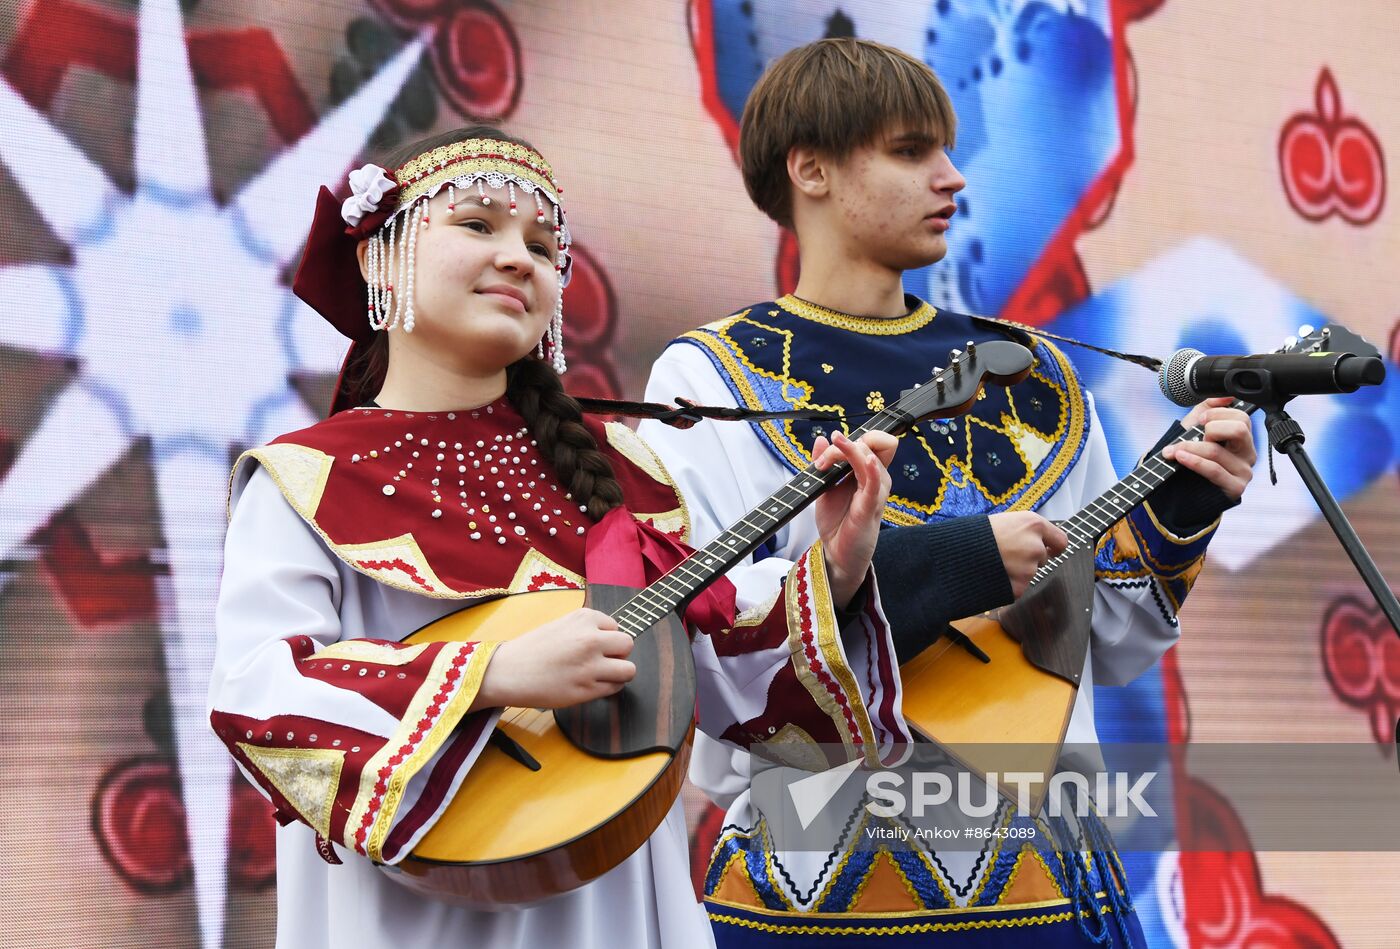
(1087, 528)
(682, 583)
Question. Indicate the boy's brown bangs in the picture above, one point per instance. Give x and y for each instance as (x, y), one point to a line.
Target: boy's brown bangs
(834, 95)
(900, 95)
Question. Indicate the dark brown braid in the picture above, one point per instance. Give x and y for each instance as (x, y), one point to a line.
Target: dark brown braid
(556, 422)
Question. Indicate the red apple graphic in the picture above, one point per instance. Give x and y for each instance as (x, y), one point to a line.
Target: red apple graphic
(1361, 659)
(1331, 163)
(478, 60)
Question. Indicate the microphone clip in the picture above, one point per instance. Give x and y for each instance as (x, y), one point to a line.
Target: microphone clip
(1284, 432)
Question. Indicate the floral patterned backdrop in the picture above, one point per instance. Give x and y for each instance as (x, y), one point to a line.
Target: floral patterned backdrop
(1147, 174)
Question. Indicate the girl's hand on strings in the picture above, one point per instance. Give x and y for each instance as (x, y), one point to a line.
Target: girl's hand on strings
(577, 658)
(848, 515)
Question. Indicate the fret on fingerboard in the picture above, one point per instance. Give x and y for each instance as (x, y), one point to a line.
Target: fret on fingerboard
(1099, 515)
(736, 542)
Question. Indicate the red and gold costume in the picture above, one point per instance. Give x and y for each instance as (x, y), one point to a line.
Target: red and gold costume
(347, 537)
(350, 535)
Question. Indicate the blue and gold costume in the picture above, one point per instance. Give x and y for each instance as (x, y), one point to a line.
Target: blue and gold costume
(1010, 453)
(1035, 446)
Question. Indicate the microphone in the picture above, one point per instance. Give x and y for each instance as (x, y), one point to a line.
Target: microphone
(1190, 375)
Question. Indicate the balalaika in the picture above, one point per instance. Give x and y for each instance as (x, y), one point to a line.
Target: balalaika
(1010, 714)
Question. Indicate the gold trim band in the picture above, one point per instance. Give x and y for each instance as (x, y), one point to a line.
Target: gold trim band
(870, 325)
(426, 172)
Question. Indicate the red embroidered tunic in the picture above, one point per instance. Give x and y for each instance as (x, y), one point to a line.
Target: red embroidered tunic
(348, 536)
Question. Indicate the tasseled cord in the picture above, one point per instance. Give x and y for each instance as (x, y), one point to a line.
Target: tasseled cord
(1080, 884)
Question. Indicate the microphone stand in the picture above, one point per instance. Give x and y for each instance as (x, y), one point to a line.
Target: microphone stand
(1286, 436)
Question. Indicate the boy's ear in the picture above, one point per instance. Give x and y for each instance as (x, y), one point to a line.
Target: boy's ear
(807, 170)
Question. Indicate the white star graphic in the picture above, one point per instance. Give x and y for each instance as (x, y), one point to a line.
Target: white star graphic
(175, 312)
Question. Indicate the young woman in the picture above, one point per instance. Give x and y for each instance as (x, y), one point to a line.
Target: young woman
(458, 471)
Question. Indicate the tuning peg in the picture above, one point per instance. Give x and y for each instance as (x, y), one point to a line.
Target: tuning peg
(1289, 342)
(957, 362)
(1305, 330)
(971, 350)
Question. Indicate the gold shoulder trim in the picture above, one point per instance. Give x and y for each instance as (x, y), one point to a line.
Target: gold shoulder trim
(673, 522)
(720, 324)
(1070, 436)
(631, 446)
(299, 472)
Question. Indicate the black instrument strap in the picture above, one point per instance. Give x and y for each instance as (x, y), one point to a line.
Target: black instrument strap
(690, 412)
(1147, 362)
(686, 413)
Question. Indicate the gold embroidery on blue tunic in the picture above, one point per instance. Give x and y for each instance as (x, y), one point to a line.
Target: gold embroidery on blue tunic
(1008, 453)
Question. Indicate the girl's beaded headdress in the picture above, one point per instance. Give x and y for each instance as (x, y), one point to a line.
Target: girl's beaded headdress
(388, 208)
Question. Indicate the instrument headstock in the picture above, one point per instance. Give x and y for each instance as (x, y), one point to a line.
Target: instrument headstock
(952, 389)
(1332, 338)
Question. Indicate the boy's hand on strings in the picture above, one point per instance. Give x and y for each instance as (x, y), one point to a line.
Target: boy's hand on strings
(1226, 456)
(1025, 541)
(848, 515)
(579, 657)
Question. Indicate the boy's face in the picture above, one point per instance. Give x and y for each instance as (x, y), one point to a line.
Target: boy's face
(894, 198)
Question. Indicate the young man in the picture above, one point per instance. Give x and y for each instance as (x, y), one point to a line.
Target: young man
(845, 142)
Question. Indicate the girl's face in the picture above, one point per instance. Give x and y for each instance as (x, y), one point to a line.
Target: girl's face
(484, 284)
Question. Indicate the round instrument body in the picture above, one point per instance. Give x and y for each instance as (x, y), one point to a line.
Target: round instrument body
(511, 834)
